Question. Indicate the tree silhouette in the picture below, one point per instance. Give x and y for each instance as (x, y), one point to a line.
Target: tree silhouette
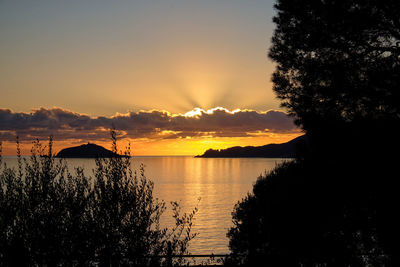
(337, 60)
(338, 74)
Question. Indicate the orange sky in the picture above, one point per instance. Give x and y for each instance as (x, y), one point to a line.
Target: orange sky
(71, 69)
(182, 146)
(154, 132)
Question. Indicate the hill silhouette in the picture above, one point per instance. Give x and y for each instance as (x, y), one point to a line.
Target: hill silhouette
(86, 151)
(284, 150)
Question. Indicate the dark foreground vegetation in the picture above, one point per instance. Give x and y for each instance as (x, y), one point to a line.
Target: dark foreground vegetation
(50, 216)
(337, 204)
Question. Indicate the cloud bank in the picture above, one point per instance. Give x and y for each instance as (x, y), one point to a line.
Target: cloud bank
(155, 124)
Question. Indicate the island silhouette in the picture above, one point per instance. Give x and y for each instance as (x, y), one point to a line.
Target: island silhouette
(283, 150)
(88, 150)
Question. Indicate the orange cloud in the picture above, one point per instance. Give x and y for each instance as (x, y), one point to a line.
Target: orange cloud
(154, 124)
(154, 132)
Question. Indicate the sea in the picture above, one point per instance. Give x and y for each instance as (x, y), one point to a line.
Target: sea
(213, 185)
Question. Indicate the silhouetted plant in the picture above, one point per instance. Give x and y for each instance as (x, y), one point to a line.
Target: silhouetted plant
(49, 216)
(127, 215)
(337, 61)
(338, 73)
(295, 217)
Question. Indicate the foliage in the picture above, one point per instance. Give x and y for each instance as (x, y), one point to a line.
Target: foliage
(338, 73)
(49, 216)
(294, 217)
(337, 61)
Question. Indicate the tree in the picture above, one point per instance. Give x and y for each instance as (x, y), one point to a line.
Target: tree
(338, 74)
(337, 61)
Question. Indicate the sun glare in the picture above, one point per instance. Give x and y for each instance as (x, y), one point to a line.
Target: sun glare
(199, 111)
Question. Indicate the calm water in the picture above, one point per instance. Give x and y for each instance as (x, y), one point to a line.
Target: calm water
(220, 183)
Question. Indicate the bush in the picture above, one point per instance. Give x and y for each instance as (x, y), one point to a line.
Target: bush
(50, 216)
(306, 213)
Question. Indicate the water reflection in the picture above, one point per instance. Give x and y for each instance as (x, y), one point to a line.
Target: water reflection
(220, 183)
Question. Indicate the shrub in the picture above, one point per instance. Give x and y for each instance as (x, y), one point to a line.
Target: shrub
(304, 213)
(51, 216)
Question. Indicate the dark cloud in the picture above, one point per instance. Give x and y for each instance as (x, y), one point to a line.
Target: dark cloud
(64, 124)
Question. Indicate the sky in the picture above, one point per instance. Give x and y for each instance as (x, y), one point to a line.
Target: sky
(173, 77)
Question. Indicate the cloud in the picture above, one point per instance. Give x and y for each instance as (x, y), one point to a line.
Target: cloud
(154, 124)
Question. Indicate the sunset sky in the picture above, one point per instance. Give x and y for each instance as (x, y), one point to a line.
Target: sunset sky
(174, 77)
